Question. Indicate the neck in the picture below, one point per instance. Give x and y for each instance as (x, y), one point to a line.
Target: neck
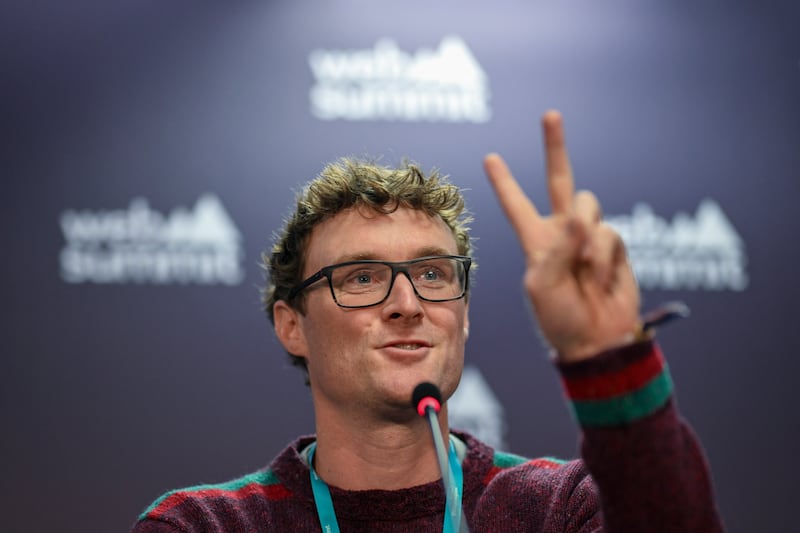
(356, 455)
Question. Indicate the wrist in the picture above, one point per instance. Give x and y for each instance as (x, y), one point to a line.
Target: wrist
(643, 330)
(582, 352)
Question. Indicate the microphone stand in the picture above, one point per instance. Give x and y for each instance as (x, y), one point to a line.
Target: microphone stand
(430, 402)
(444, 466)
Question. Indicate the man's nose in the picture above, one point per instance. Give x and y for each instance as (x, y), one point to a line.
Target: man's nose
(403, 298)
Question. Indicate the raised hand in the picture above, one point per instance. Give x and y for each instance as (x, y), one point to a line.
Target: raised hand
(577, 273)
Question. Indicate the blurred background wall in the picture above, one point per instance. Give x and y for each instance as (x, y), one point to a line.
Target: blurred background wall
(150, 149)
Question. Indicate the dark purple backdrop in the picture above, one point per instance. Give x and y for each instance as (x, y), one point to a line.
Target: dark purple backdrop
(114, 392)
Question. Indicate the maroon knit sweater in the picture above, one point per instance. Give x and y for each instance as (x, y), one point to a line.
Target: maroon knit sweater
(648, 473)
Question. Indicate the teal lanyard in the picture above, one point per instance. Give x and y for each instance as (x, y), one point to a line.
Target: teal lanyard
(324, 503)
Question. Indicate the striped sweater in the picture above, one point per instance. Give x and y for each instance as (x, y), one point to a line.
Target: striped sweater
(642, 470)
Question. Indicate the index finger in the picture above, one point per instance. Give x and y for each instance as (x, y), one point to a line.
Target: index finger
(518, 208)
(560, 183)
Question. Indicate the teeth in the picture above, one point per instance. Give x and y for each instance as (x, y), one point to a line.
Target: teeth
(407, 346)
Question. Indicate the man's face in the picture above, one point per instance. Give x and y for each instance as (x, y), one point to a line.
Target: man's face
(374, 357)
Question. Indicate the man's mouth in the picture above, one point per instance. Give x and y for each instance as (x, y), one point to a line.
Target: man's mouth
(407, 346)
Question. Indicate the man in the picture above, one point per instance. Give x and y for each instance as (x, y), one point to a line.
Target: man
(369, 294)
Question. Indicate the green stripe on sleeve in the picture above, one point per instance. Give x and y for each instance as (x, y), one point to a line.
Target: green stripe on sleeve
(628, 407)
(508, 460)
(263, 478)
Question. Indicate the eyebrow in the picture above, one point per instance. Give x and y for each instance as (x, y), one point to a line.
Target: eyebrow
(371, 256)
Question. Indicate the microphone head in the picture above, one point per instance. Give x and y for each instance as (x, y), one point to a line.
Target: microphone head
(426, 395)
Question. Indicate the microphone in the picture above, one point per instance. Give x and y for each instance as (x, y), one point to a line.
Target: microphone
(427, 400)
(426, 395)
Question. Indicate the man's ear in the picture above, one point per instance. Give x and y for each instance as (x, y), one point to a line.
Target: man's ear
(289, 329)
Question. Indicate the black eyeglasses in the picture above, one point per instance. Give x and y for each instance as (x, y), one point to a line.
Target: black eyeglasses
(437, 278)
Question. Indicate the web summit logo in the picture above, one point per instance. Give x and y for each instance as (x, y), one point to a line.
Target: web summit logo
(386, 83)
(474, 408)
(140, 245)
(703, 252)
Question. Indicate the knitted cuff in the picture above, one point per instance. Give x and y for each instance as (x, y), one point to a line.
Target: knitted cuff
(618, 386)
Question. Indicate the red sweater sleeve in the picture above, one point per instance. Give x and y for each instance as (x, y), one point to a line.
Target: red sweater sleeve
(648, 465)
(154, 526)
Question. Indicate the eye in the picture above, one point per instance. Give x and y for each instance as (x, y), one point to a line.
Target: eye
(362, 278)
(431, 274)
(359, 277)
